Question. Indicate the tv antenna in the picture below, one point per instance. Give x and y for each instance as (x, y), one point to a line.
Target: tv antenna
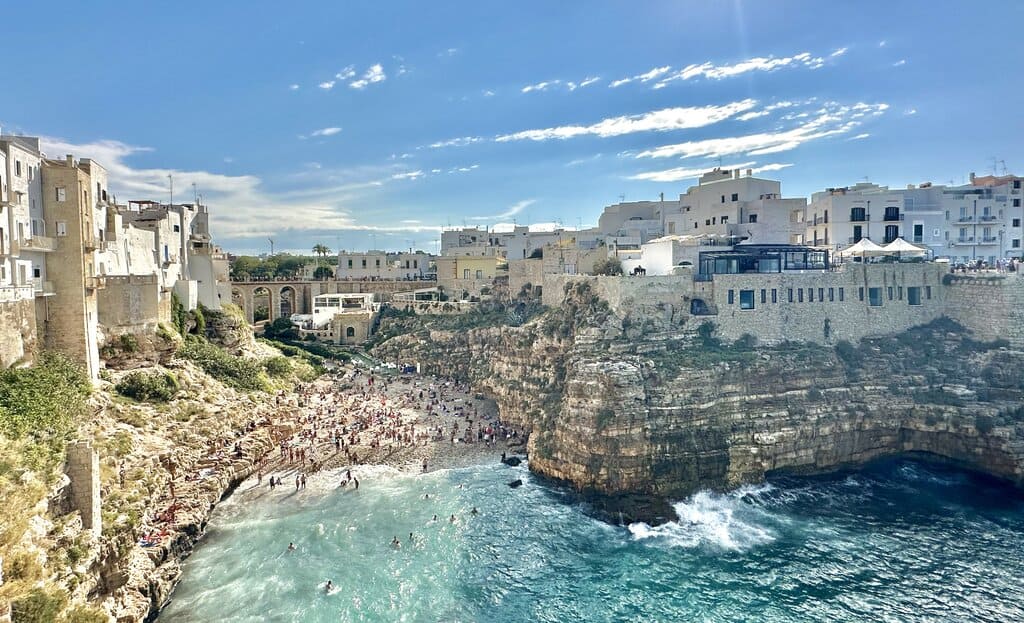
(271, 246)
(622, 198)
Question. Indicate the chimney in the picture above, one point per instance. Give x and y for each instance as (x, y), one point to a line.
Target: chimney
(972, 177)
(662, 195)
(749, 172)
(71, 161)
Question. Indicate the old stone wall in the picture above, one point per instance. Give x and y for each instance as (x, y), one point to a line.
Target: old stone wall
(18, 335)
(130, 303)
(992, 306)
(83, 468)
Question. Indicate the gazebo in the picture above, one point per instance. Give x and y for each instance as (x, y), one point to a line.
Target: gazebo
(863, 248)
(901, 247)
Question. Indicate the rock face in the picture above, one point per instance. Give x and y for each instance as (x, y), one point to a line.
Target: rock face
(622, 407)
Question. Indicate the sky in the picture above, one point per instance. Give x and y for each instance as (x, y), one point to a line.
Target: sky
(375, 124)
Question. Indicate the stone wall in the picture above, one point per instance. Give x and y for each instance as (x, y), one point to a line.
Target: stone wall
(83, 468)
(130, 303)
(990, 306)
(18, 343)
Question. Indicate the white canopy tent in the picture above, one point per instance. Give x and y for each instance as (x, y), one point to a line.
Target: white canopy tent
(863, 248)
(902, 247)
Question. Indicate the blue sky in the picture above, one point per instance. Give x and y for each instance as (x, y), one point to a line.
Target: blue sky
(372, 124)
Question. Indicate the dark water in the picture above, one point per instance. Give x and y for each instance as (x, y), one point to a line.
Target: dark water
(900, 541)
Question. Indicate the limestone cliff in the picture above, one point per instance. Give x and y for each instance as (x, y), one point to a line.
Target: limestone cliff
(646, 404)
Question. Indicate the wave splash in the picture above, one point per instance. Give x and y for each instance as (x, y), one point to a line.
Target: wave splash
(715, 521)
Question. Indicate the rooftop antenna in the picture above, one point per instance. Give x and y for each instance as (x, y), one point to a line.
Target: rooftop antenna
(170, 179)
(1003, 164)
(271, 246)
(622, 198)
(195, 191)
(994, 163)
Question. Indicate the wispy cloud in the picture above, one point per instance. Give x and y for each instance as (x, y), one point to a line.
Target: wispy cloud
(831, 120)
(663, 76)
(293, 87)
(859, 137)
(449, 52)
(345, 74)
(683, 173)
(488, 93)
(457, 142)
(910, 111)
(512, 210)
(579, 161)
(408, 175)
(326, 131)
(569, 85)
(471, 167)
(655, 121)
(373, 75)
(900, 63)
(327, 86)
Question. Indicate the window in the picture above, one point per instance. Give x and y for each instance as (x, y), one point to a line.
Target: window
(775, 297)
(724, 220)
(890, 292)
(36, 272)
(791, 295)
(415, 263)
(899, 293)
(62, 228)
(465, 273)
(752, 218)
(841, 295)
(799, 295)
(764, 296)
(1016, 222)
(732, 297)
(707, 221)
(713, 220)
(177, 228)
(17, 168)
(735, 197)
(858, 233)
(810, 295)
(60, 193)
(723, 198)
(364, 262)
(860, 293)
(350, 331)
(1016, 203)
(376, 262)
(857, 215)
(913, 295)
(746, 299)
(928, 292)
(874, 297)
(479, 274)
(831, 295)
(350, 263)
(892, 232)
(821, 295)
(1015, 243)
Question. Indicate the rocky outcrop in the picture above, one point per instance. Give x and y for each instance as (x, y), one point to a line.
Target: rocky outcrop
(620, 407)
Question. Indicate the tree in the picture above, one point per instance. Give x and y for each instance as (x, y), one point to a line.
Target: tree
(608, 266)
(323, 272)
(320, 250)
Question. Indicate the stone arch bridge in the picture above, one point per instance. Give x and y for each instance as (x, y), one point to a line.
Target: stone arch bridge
(285, 298)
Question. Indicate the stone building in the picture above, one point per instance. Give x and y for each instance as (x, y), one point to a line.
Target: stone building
(342, 318)
(466, 276)
(383, 265)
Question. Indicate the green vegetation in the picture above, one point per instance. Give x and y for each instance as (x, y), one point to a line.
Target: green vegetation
(42, 401)
(238, 372)
(281, 265)
(38, 606)
(609, 266)
(277, 367)
(148, 386)
(281, 329)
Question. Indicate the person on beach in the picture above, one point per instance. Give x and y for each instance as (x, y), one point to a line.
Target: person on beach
(356, 481)
(303, 481)
(297, 483)
(272, 482)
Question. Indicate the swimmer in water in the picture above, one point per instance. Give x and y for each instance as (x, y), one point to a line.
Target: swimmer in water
(451, 519)
(435, 518)
(291, 547)
(395, 543)
(474, 511)
(330, 585)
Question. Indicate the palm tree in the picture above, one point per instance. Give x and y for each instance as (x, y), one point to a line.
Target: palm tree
(320, 250)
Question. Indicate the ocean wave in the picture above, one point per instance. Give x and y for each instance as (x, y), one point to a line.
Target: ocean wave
(726, 522)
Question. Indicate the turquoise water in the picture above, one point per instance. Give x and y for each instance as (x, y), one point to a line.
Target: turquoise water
(900, 541)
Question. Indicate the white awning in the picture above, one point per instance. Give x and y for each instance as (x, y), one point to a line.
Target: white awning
(902, 247)
(863, 248)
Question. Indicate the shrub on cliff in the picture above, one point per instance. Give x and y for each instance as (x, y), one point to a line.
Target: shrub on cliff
(148, 386)
(38, 606)
(277, 367)
(43, 400)
(238, 372)
(610, 267)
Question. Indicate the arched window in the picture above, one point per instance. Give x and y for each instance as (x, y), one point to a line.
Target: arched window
(350, 331)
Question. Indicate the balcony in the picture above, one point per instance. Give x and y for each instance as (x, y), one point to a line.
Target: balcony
(892, 217)
(988, 240)
(965, 218)
(91, 244)
(988, 218)
(859, 217)
(43, 288)
(39, 243)
(95, 283)
(13, 293)
(962, 241)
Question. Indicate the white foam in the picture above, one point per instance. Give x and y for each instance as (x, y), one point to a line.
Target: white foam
(716, 521)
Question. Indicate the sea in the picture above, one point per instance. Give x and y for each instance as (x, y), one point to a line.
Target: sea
(896, 541)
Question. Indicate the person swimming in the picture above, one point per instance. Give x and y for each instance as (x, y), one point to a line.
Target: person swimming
(451, 519)
(474, 511)
(291, 547)
(329, 586)
(395, 543)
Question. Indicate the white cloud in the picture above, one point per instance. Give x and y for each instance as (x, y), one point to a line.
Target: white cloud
(488, 93)
(512, 210)
(618, 83)
(327, 86)
(655, 121)
(754, 114)
(589, 81)
(579, 161)
(882, 43)
(859, 137)
(900, 63)
(838, 52)
(683, 173)
(910, 111)
(540, 86)
(293, 87)
(345, 74)
(408, 175)
(833, 120)
(644, 77)
(457, 142)
(326, 131)
(711, 71)
(411, 222)
(449, 52)
(464, 169)
(373, 75)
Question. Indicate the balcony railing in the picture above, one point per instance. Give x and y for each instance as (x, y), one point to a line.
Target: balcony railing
(918, 239)
(988, 240)
(892, 217)
(988, 218)
(43, 288)
(859, 218)
(965, 218)
(39, 243)
(95, 283)
(9, 294)
(963, 240)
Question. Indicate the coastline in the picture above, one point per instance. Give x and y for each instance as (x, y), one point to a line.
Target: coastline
(390, 425)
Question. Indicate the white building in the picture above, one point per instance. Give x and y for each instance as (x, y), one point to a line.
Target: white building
(383, 265)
